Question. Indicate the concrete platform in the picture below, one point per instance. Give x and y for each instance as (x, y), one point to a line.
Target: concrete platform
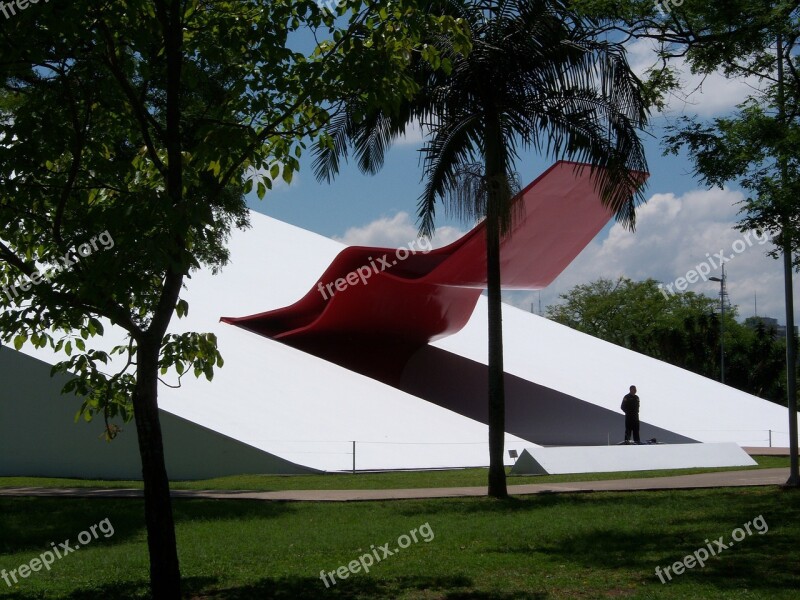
(605, 459)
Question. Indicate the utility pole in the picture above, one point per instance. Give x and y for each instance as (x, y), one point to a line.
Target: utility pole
(722, 298)
(786, 227)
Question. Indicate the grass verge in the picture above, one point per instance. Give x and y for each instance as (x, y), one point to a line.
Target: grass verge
(370, 481)
(549, 547)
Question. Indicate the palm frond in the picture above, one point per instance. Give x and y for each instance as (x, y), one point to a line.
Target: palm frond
(537, 70)
(454, 144)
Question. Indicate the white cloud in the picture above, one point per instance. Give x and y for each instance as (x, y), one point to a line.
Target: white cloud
(414, 136)
(704, 95)
(395, 232)
(673, 235)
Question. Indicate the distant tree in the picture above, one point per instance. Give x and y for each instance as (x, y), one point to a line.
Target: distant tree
(756, 362)
(639, 316)
(682, 329)
(758, 147)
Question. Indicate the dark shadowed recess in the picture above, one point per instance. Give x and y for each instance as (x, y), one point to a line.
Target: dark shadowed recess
(533, 412)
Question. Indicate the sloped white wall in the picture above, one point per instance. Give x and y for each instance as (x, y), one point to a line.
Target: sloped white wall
(283, 402)
(38, 436)
(598, 372)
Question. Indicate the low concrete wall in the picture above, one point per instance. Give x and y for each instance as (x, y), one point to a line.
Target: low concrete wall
(607, 459)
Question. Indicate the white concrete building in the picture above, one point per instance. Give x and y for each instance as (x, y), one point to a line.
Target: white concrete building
(275, 409)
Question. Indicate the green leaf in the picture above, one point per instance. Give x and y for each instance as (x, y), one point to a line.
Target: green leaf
(182, 308)
(19, 340)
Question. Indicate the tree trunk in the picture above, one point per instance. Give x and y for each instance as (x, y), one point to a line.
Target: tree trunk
(165, 577)
(495, 174)
(786, 229)
(497, 402)
(791, 361)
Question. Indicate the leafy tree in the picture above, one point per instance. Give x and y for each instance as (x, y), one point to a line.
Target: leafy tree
(678, 328)
(757, 147)
(735, 36)
(755, 360)
(537, 77)
(682, 329)
(144, 123)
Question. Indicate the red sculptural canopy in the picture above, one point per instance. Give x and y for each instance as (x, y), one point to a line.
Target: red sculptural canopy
(373, 307)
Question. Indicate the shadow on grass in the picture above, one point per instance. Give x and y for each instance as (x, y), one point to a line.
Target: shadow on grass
(747, 500)
(31, 524)
(296, 588)
(519, 505)
(120, 591)
(758, 562)
(302, 588)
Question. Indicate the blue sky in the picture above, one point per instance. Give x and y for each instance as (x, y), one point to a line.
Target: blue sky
(354, 199)
(682, 225)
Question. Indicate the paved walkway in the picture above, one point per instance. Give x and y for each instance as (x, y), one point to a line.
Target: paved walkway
(752, 477)
(767, 451)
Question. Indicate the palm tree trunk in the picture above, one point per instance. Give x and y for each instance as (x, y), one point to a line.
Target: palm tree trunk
(497, 405)
(495, 174)
(165, 577)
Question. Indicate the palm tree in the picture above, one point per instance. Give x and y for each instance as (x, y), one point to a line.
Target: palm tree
(537, 78)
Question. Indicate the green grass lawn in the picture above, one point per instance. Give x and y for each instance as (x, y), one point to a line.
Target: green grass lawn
(600, 545)
(374, 481)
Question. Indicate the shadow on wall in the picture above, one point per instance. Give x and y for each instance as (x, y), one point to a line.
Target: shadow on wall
(533, 412)
(40, 438)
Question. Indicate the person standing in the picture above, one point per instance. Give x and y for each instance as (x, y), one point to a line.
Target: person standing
(630, 406)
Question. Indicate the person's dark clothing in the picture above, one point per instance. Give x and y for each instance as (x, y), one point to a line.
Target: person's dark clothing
(632, 427)
(630, 406)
